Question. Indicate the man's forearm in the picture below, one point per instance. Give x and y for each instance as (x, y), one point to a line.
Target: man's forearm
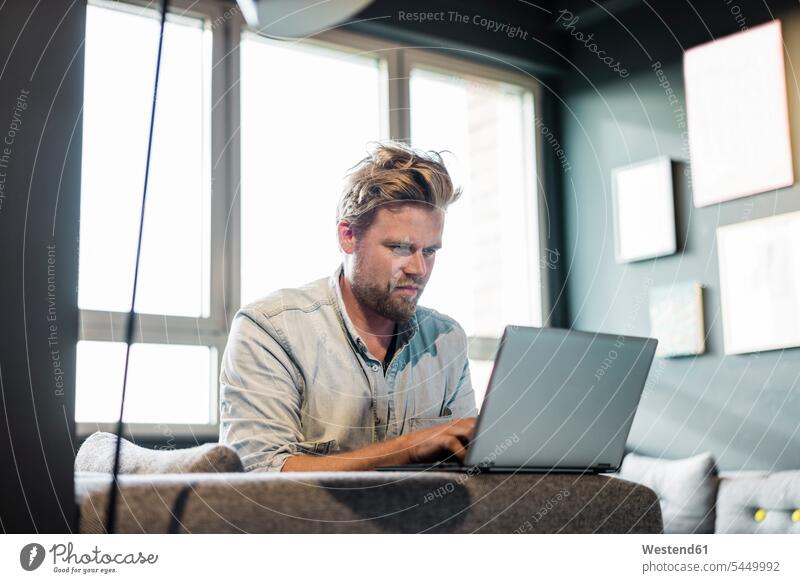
(386, 453)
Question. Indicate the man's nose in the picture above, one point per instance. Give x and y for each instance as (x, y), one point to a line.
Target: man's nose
(416, 265)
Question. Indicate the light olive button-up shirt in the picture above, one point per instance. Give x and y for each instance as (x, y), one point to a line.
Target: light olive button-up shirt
(297, 378)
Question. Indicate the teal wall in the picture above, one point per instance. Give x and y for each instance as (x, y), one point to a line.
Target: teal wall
(745, 409)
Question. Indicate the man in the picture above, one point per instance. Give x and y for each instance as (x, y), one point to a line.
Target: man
(347, 372)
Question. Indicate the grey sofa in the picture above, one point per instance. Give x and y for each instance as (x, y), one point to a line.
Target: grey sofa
(203, 489)
(369, 502)
(217, 497)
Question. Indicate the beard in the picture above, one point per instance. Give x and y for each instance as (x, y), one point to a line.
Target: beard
(383, 300)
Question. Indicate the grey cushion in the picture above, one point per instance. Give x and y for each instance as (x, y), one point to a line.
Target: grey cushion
(687, 489)
(370, 502)
(97, 455)
(776, 495)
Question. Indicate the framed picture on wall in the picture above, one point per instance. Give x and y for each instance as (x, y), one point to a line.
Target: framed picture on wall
(644, 210)
(676, 319)
(759, 278)
(737, 115)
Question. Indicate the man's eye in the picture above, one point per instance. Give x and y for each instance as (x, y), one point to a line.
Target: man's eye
(406, 250)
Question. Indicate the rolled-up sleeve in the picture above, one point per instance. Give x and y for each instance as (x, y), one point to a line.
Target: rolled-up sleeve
(260, 396)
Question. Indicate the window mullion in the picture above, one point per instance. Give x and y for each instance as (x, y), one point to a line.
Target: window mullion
(149, 431)
(150, 328)
(229, 137)
(226, 182)
(541, 213)
(399, 102)
(222, 169)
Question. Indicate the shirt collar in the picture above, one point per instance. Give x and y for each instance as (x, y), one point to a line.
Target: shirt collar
(405, 330)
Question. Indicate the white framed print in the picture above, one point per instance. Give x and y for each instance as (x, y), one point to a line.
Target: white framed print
(759, 278)
(676, 319)
(737, 115)
(644, 210)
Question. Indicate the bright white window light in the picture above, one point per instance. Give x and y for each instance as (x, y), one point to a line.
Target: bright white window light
(121, 50)
(480, 372)
(487, 273)
(308, 114)
(166, 383)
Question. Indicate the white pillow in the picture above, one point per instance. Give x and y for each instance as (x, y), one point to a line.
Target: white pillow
(686, 488)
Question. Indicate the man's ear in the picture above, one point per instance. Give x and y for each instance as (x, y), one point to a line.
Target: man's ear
(347, 238)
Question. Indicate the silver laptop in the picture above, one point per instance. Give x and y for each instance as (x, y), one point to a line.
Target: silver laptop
(558, 401)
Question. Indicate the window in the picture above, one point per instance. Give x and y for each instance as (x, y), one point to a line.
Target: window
(163, 383)
(307, 115)
(235, 211)
(119, 73)
(174, 362)
(487, 273)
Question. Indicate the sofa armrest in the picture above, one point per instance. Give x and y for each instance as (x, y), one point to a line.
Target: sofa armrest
(96, 454)
(367, 502)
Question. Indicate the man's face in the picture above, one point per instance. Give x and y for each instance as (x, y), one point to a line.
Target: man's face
(393, 260)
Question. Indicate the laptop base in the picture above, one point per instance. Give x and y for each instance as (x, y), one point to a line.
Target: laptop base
(462, 469)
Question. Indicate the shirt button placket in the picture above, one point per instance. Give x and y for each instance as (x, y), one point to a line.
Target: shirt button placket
(373, 389)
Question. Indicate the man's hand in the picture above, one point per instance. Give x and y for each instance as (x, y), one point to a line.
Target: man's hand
(427, 445)
(441, 441)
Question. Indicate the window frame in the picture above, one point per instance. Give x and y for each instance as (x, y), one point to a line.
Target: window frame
(227, 29)
(211, 331)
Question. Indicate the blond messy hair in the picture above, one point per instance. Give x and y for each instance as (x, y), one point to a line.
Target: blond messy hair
(394, 174)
